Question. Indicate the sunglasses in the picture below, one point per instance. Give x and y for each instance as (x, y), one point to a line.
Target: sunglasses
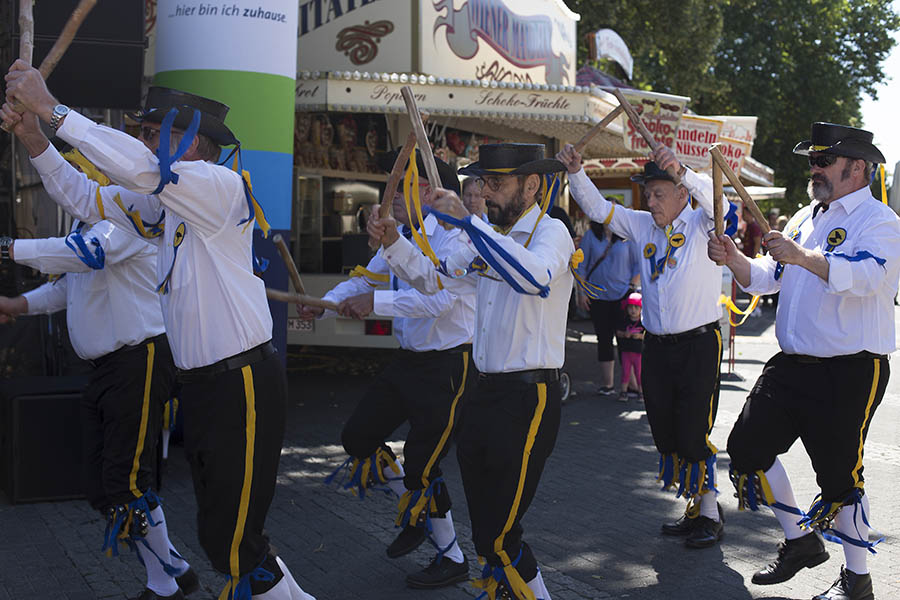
(493, 183)
(822, 160)
(149, 133)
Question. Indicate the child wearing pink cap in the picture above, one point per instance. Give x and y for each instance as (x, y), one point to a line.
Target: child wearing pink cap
(631, 340)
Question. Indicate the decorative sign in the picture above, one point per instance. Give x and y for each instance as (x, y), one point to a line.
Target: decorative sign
(350, 35)
(695, 135)
(527, 41)
(606, 43)
(360, 42)
(661, 114)
(735, 151)
(375, 95)
(739, 128)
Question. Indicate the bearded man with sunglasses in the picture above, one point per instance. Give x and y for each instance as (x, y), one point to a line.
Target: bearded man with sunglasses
(837, 265)
(519, 269)
(682, 345)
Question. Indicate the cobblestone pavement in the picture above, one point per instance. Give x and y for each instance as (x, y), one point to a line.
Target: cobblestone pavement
(593, 524)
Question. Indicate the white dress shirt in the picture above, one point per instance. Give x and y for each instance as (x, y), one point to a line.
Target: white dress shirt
(852, 311)
(421, 321)
(108, 308)
(513, 331)
(685, 295)
(216, 307)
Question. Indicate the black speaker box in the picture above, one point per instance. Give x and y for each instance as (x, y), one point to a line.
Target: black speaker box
(104, 66)
(40, 438)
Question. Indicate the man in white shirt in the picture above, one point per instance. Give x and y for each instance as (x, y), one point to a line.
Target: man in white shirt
(522, 280)
(425, 385)
(201, 215)
(106, 284)
(472, 198)
(837, 266)
(683, 344)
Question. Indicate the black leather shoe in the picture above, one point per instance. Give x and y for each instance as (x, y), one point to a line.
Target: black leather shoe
(807, 551)
(188, 582)
(439, 573)
(706, 533)
(149, 594)
(684, 525)
(406, 541)
(849, 586)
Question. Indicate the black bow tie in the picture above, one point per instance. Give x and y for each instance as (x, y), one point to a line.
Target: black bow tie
(817, 207)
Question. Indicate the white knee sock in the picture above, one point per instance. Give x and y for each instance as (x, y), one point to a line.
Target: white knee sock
(158, 539)
(537, 586)
(709, 508)
(165, 443)
(784, 493)
(854, 556)
(179, 563)
(395, 480)
(444, 534)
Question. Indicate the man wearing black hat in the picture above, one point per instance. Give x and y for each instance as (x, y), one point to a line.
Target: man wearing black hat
(837, 266)
(107, 278)
(682, 344)
(425, 385)
(523, 284)
(217, 318)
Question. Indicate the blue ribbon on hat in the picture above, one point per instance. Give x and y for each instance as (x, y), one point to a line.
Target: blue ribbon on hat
(166, 161)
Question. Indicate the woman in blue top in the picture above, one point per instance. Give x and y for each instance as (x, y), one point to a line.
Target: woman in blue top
(611, 263)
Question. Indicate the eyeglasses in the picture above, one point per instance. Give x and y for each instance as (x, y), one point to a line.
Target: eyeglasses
(822, 160)
(492, 182)
(149, 133)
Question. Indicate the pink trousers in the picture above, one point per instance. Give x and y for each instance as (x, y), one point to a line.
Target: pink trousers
(631, 360)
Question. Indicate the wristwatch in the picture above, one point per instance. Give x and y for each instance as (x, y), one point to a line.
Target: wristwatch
(5, 243)
(59, 112)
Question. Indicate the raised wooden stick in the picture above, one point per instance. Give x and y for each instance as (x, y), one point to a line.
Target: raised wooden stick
(60, 46)
(596, 129)
(642, 129)
(718, 220)
(280, 296)
(434, 178)
(26, 30)
(397, 174)
(719, 159)
(289, 263)
(393, 181)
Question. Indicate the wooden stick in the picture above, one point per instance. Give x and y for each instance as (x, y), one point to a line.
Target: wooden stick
(718, 191)
(642, 129)
(26, 30)
(717, 203)
(289, 263)
(280, 296)
(719, 160)
(65, 37)
(60, 46)
(431, 171)
(596, 129)
(397, 174)
(393, 181)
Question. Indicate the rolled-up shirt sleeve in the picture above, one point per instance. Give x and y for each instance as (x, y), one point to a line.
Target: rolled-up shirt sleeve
(762, 277)
(865, 271)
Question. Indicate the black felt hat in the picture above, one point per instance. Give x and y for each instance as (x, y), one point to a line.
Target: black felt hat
(841, 140)
(652, 172)
(212, 114)
(449, 179)
(512, 159)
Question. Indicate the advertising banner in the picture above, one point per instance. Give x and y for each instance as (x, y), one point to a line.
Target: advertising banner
(695, 135)
(660, 114)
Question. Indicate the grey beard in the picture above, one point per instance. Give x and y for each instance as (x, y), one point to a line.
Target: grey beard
(506, 216)
(821, 190)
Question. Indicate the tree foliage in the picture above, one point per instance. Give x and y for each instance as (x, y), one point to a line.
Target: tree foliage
(789, 62)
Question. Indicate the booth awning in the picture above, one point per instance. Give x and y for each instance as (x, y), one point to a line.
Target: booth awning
(560, 112)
